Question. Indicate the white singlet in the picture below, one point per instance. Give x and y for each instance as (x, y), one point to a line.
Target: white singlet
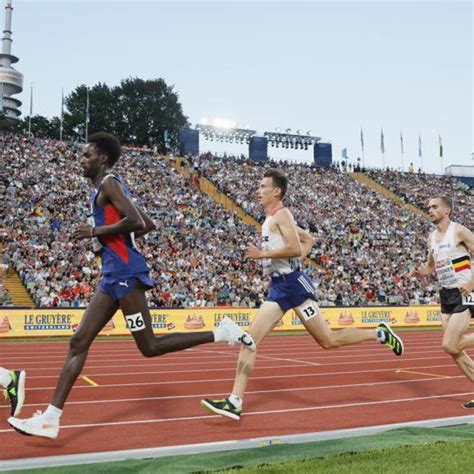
(272, 239)
(452, 263)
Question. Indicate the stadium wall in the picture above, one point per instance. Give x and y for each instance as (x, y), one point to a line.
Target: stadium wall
(63, 322)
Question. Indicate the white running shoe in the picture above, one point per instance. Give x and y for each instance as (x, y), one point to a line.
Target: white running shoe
(37, 425)
(234, 334)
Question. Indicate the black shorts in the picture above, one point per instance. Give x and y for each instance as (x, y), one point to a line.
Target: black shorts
(451, 302)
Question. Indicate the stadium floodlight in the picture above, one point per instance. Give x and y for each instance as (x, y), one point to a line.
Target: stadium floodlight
(225, 131)
(286, 140)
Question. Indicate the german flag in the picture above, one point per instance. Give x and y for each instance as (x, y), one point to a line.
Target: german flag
(462, 263)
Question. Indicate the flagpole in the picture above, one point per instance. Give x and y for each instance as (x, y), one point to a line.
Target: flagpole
(31, 110)
(87, 114)
(420, 151)
(1, 98)
(402, 150)
(382, 148)
(362, 146)
(441, 154)
(62, 116)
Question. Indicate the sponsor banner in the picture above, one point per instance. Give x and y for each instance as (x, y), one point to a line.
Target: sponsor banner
(370, 317)
(63, 322)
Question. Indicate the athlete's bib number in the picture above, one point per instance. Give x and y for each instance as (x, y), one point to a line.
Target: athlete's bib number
(468, 299)
(135, 322)
(308, 310)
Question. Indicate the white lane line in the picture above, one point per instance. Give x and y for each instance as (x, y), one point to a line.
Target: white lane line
(259, 356)
(262, 377)
(184, 355)
(263, 412)
(251, 392)
(227, 369)
(147, 362)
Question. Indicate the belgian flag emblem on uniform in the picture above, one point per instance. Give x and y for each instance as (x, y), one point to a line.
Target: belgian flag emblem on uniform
(462, 263)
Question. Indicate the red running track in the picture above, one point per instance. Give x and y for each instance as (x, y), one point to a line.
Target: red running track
(297, 387)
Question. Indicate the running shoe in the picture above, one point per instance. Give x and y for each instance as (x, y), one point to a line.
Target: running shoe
(469, 404)
(15, 392)
(37, 425)
(234, 334)
(222, 407)
(391, 339)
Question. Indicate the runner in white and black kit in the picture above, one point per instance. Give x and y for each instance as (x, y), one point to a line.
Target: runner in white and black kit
(451, 247)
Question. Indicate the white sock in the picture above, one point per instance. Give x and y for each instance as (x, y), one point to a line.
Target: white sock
(381, 336)
(53, 413)
(235, 400)
(5, 377)
(220, 334)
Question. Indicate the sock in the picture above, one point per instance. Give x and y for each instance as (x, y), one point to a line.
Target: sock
(5, 377)
(381, 336)
(235, 400)
(53, 413)
(220, 334)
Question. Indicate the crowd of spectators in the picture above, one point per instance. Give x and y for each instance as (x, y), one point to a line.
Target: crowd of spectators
(196, 253)
(418, 188)
(365, 246)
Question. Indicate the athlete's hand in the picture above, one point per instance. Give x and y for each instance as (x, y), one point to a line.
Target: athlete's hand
(83, 231)
(253, 252)
(466, 288)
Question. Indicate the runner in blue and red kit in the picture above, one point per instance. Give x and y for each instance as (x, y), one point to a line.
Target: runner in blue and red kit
(117, 222)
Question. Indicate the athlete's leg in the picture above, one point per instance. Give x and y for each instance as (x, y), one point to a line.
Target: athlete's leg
(135, 308)
(454, 327)
(466, 341)
(328, 338)
(267, 316)
(98, 313)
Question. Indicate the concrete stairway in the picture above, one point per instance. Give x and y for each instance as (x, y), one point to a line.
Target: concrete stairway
(225, 201)
(370, 183)
(19, 294)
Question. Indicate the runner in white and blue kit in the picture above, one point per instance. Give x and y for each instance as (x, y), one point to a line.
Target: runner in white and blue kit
(283, 246)
(117, 221)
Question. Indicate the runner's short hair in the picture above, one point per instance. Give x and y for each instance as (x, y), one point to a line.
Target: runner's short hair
(108, 145)
(279, 180)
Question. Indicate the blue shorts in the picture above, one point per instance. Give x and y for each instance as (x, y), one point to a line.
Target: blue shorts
(292, 290)
(119, 286)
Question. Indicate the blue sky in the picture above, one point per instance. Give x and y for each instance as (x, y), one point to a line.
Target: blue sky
(328, 67)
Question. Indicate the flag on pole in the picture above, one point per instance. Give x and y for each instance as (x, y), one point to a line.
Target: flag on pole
(62, 116)
(382, 143)
(440, 147)
(31, 110)
(362, 139)
(401, 143)
(420, 153)
(344, 153)
(31, 100)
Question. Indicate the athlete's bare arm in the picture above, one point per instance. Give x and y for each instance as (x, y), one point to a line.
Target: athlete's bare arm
(112, 192)
(292, 248)
(465, 237)
(306, 241)
(149, 223)
(428, 268)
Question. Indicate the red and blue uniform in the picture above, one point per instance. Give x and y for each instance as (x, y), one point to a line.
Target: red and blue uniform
(122, 263)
